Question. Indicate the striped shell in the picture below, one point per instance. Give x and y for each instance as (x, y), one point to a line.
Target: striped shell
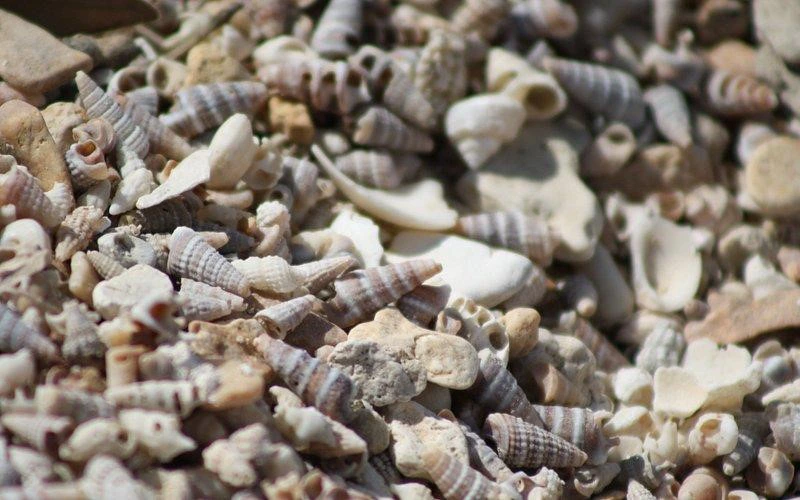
(318, 274)
(422, 304)
(362, 292)
(97, 130)
(43, 432)
(481, 456)
(15, 334)
(270, 274)
(105, 265)
(377, 168)
(609, 359)
(521, 444)
(752, 431)
(76, 404)
(202, 107)
(605, 91)
(456, 481)
(670, 113)
(379, 127)
(87, 165)
(77, 231)
(441, 70)
(332, 87)
(731, 94)
(326, 388)
(22, 190)
(529, 235)
(162, 139)
(338, 29)
(191, 257)
(581, 427)
(180, 397)
(545, 18)
(282, 318)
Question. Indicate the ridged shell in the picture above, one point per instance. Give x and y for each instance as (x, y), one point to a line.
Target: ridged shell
(157, 433)
(81, 343)
(521, 444)
(202, 107)
(318, 274)
(99, 131)
(105, 265)
(318, 384)
(106, 477)
(605, 91)
(752, 431)
(481, 456)
(22, 190)
(637, 491)
(270, 274)
(377, 168)
(206, 303)
(730, 94)
(609, 359)
(338, 29)
(379, 127)
(15, 334)
(87, 165)
(545, 18)
(441, 70)
(422, 304)
(282, 318)
(164, 217)
(173, 396)
(784, 424)
(162, 139)
(361, 292)
(670, 113)
(134, 186)
(76, 404)
(98, 104)
(579, 426)
(529, 235)
(77, 231)
(456, 481)
(43, 432)
(191, 257)
(99, 436)
(480, 16)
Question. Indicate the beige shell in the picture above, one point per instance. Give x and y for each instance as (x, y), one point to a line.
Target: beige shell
(206, 302)
(134, 186)
(537, 91)
(87, 165)
(269, 274)
(166, 75)
(98, 130)
(61, 196)
(76, 404)
(25, 233)
(771, 473)
(233, 467)
(180, 397)
(128, 288)
(20, 189)
(81, 344)
(17, 370)
(98, 196)
(77, 231)
(15, 334)
(104, 265)
(318, 274)
(313, 433)
(122, 364)
(609, 151)
(479, 125)
(192, 171)
(733, 94)
(157, 432)
(521, 444)
(440, 73)
(43, 432)
(608, 357)
(95, 437)
(423, 304)
(481, 328)
(713, 435)
(338, 29)
(378, 127)
(666, 16)
(33, 466)
(191, 257)
(127, 249)
(281, 48)
(416, 206)
(528, 235)
(609, 92)
(670, 113)
(231, 152)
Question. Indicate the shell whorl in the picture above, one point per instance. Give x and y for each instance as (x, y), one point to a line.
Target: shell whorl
(191, 257)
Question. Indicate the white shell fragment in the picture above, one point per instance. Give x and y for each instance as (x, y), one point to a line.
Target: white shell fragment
(122, 292)
(187, 175)
(231, 152)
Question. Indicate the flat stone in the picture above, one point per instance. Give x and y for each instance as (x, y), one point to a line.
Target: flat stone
(472, 269)
(24, 135)
(61, 118)
(32, 59)
(772, 176)
(537, 174)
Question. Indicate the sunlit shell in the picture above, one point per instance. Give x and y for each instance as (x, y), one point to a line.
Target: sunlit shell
(43, 432)
(456, 481)
(581, 427)
(269, 274)
(735, 95)
(282, 318)
(98, 130)
(157, 432)
(22, 190)
(87, 165)
(377, 168)
(130, 189)
(528, 235)
(180, 397)
(95, 437)
(318, 274)
(77, 231)
(162, 139)
(670, 113)
(191, 257)
(423, 304)
(379, 127)
(521, 444)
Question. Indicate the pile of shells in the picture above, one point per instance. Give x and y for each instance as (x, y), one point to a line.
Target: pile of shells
(524, 249)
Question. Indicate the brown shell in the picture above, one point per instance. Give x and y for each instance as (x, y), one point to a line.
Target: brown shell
(318, 274)
(422, 304)
(379, 127)
(456, 481)
(730, 94)
(21, 189)
(581, 427)
(529, 235)
(521, 444)
(191, 257)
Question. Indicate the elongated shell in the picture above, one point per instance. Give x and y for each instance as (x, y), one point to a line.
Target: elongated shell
(377, 168)
(732, 94)
(106, 477)
(456, 481)
(22, 190)
(77, 231)
(521, 444)
(422, 304)
(95, 437)
(174, 396)
(670, 113)
(162, 139)
(318, 384)
(752, 431)
(545, 18)
(609, 92)
(282, 318)
(379, 127)
(76, 404)
(441, 70)
(157, 433)
(581, 427)
(202, 107)
(529, 235)
(338, 29)
(15, 334)
(362, 292)
(270, 274)
(191, 257)
(480, 16)
(318, 274)
(105, 265)
(609, 359)
(479, 125)
(43, 432)
(98, 104)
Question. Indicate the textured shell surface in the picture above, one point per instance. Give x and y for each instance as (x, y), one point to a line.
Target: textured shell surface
(528, 235)
(379, 127)
(521, 444)
(338, 30)
(130, 189)
(191, 257)
(21, 190)
(457, 480)
(670, 113)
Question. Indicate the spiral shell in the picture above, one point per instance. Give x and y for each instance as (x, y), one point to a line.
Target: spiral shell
(43, 432)
(326, 388)
(105, 265)
(134, 186)
(545, 18)
(77, 231)
(609, 359)
(605, 91)
(106, 477)
(338, 29)
(581, 427)
(362, 292)
(157, 433)
(81, 342)
(99, 436)
(318, 274)
(22, 190)
(378, 168)
(731, 94)
(480, 16)
(521, 444)
(179, 397)
(529, 235)
(15, 334)
(457, 481)
(76, 404)
(98, 104)
(269, 274)
(609, 151)
(752, 431)
(664, 346)
(202, 107)
(423, 304)
(670, 113)
(440, 73)
(282, 318)
(162, 139)
(98, 130)
(191, 257)
(87, 165)
(379, 127)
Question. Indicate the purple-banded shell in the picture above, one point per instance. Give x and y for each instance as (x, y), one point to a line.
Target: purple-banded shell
(670, 113)
(98, 104)
(423, 304)
(174, 396)
(191, 257)
(162, 139)
(22, 190)
(318, 384)
(481, 456)
(529, 235)
(731, 94)
(282, 318)
(361, 292)
(377, 168)
(605, 91)
(456, 481)
(581, 427)
(15, 334)
(379, 127)
(521, 444)
(338, 29)
(202, 107)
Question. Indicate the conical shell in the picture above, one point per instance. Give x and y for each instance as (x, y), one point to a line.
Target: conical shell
(481, 456)
(76, 404)
(164, 217)
(338, 29)
(521, 444)
(318, 384)
(379, 127)
(771, 474)
(22, 190)
(529, 235)
(456, 481)
(609, 151)
(479, 125)
(162, 139)
(553, 387)
(389, 83)
(752, 431)
(441, 70)
(99, 131)
(87, 165)
(135, 185)
(95, 437)
(579, 426)
(269, 274)
(191, 257)
(105, 265)
(362, 292)
(422, 304)
(545, 18)
(666, 16)
(77, 231)
(173, 396)
(670, 113)
(605, 91)
(480, 16)
(43, 432)
(731, 94)
(81, 344)
(282, 318)
(608, 357)
(318, 274)
(98, 104)
(380, 169)
(15, 334)
(206, 106)
(106, 477)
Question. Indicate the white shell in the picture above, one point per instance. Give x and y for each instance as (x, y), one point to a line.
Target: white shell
(478, 126)
(415, 206)
(231, 152)
(187, 175)
(364, 234)
(25, 233)
(540, 93)
(157, 432)
(98, 196)
(279, 49)
(727, 373)
(16, 370)
(60, 195)
(269, 274)
(130, 189)
(481, 328)
(713, 435)
(633, 386)
(126, 290)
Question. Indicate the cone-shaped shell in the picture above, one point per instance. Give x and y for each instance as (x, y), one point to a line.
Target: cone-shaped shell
(608, 357)
(362, 292)
(98, 104)
(338, 29)
(15, 334)
(162, 139)
(105, 265)
(379, 127)
(609, 92)
(191, 257)
(529, 235)
(270, 274)
(545, 18)
(22, 190)
(175, 396)
(379, 169)
(318, 384)
(43, 432)
(422, 304)
(77, 231)
(282, 318)
(521, 444)
(456, 481)
(318, 274)
(752, 431)
(670, 113)
(480, 16)
(581, 427)
(733, 94)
